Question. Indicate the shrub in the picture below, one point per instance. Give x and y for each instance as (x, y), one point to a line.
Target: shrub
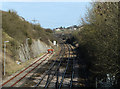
(98, 39)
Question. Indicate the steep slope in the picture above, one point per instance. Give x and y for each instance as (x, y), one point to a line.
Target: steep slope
(26, 40)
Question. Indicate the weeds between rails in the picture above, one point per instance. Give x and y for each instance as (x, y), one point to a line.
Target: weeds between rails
(66, 68)
(28, 81)
(56, 62)
(50, 68)
(55, 69)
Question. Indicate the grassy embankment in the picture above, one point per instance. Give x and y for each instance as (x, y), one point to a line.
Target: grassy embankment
(16, 29)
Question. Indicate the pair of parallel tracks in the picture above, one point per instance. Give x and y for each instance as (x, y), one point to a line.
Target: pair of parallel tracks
(52, 72)
(22, 74)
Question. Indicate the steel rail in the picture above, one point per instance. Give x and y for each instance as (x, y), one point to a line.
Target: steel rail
(73, 70)
(64, 71)
(28, 72)
(49, 80)
(22, 71)
(46, 72)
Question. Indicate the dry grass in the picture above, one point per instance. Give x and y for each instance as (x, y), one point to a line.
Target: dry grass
(13, 67)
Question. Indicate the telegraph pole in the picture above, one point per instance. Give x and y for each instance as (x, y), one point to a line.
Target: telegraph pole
(34, 22)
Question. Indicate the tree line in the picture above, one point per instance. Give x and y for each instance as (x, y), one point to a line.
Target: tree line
(98, 40)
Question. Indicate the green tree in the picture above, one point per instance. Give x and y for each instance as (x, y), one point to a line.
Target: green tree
(98, 39)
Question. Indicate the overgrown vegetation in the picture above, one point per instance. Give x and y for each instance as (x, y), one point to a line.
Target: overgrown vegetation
(98, 40)
(16, 29)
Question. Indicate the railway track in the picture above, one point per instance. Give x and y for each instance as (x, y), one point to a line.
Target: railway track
(52, 67)
(73, 69)
(65, 81)
(52, 74)
(56, 75)
(16, 79)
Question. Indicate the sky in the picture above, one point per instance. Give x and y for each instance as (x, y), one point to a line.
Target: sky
(50, 14)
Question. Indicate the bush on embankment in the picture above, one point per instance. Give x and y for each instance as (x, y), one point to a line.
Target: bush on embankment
(98, 39)
(16, 30)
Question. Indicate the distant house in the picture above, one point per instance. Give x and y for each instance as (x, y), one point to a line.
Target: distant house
(57, 29)
(72, 28)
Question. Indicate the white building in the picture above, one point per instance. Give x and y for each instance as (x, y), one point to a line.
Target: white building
(57, 29)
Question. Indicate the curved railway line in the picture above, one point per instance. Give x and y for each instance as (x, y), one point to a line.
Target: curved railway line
(22, 74)
(53, 66)
(67, 76)
(55, 74)
(52, 71)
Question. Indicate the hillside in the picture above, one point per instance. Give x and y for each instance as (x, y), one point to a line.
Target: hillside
(19, 29)
(19, 32)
